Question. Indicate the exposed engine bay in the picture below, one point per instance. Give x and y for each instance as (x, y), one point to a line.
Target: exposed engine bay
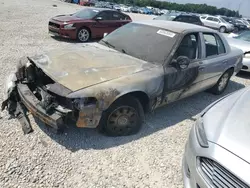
(30, 89)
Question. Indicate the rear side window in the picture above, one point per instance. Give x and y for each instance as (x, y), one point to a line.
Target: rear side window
(221, 47)
(203, 17)
(118, 16)
(214, 45)
(194, 19)
(182, 19)
(210, 18)
(216, 19)
(105, 15)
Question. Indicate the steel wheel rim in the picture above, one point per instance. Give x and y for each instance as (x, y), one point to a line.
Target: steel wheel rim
(83, 35)
(122, 120)
(223, 82)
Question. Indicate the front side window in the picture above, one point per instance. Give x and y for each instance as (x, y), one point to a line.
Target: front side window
(149, 43)
(189, 47)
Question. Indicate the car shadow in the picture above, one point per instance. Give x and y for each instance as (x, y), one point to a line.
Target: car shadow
(243, 74)
(60, 39)
(75, 139)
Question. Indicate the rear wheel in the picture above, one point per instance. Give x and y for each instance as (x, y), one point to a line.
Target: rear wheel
(222, 29)
(123, 117)
(222, 83)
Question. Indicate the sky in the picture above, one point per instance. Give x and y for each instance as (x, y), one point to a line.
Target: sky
(242, 5)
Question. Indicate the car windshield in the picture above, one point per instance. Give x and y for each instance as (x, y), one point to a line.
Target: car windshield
(86, 13)
(244, 36)
(148, 43)
(168, 17)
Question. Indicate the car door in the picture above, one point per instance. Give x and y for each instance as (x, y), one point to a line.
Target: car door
(209, 22)
(180, 83)
(216, 23)
(214, 59)
(102, 24)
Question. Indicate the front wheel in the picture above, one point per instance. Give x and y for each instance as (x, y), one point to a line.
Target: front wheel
(83, 35)
(124, 117)
(221, 84)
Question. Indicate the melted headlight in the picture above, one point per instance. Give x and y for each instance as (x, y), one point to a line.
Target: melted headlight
(81, 103)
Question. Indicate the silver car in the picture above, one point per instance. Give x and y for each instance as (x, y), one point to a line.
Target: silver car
(242, 41)
(217, 23)
(109, 85)
(217, 153)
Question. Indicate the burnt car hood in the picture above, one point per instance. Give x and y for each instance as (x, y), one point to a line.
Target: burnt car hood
(65, 18)
(87, 65)
(227, 123)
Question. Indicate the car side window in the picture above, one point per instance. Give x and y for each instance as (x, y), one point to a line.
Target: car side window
(203, 17)
(182, 19)
(117, 16)
(189, 47)
(221, 46)
(105, 15)
(216, 20)
(193, 20)
(210, 18)
(214, 45)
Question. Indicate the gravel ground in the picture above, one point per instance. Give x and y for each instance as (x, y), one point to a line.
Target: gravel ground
(80, 157)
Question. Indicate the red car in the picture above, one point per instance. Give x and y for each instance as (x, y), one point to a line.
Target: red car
(88, 23)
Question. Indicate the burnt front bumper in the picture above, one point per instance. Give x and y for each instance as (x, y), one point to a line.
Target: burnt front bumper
(29, 100)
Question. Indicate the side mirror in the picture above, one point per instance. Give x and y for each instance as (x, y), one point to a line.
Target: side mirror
(182, 62)
(98, 18)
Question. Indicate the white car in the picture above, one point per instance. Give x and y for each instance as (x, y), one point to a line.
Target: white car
(242, 41)
(217, 23)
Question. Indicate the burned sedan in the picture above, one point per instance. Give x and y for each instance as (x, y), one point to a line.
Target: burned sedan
(112, 83)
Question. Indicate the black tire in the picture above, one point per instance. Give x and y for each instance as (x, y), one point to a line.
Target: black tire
(218, 89)
(114, 121)
(223, 29)
(84, 31)
(236, 30)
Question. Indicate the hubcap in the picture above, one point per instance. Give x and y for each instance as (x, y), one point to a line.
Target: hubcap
(223, 82)
(83, 35)
(122, 120)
